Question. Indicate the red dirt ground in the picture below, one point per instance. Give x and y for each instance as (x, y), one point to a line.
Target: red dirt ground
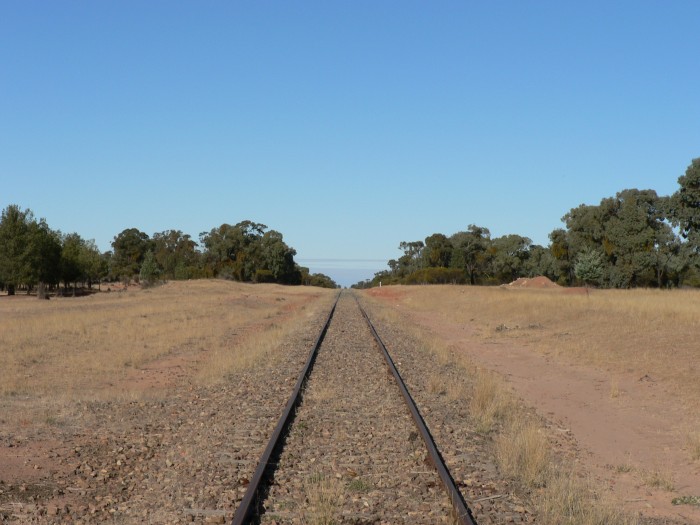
(619, 438)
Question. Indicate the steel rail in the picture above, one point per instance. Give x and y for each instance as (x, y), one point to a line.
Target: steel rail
(250, 500)
(462, 513)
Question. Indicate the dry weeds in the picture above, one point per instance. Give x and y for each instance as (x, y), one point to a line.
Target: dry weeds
(523, 451)
(658, 479)
(571, 500)
(324, 497)
(521, 445)
(693, 440)
(75, 348)
(489, 401)
(625, 331)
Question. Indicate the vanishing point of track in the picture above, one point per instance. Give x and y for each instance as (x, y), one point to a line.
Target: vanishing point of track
(354, 427)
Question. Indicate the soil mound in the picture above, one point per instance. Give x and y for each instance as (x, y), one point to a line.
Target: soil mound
(534, 282)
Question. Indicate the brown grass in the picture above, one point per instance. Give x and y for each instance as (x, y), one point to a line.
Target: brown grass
(522, 451)
(572, 500)
(693, 440)
(489, 401)
(520, 443)
(625, 331)
(76, 347)
(324, 497)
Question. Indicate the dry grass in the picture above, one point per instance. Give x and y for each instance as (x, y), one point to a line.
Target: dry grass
(324, 497)
(614, 388)
(658, 479)
(76, 347)
(693, 443)
(570, 500)
(489, 401)
(625, 331)
(522, 451)
(521, 445)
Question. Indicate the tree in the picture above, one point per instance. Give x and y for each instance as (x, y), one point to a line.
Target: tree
(509, 253)
(561, 252)
(540, 261)
(130, 248)
(631, 233)
(635, 236)
(411, 260)
(176, 253)
(230, 250)
(438, 251)
(316, 279)
(683, 209)
(43, 256)
(684, 205)
(149, 273)
(589, 266)
(72, 268)
(246, 252)
(93, 263)
(275, 256)
(14, 239)
(470, 251)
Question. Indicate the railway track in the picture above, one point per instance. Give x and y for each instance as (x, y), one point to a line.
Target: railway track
(351, 446)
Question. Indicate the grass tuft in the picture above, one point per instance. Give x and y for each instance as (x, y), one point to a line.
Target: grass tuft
(693, 443)
(522, 451)
(489, 402)
(570, 500)
(324, 497)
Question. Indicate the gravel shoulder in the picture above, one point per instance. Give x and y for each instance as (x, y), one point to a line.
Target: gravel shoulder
(493, 498)
(353, 454)
(182, 456)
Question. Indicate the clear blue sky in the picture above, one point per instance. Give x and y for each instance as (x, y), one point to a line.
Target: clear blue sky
(347, 126)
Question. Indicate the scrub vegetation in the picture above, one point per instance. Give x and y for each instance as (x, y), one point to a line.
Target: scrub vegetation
(634, 239)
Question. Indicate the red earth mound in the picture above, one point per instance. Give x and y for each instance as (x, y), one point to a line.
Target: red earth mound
(534, 282)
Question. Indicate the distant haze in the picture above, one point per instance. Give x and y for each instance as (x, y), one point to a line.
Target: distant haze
(345, 272)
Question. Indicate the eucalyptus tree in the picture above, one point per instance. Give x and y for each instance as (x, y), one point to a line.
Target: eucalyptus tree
(540, 261)
(130, 248)
(411, 260)
(509, 254)
(276, 257)
(562, 252)
(230, 250)
(176, 254)
(437, 252)
(636, 237)
(470, 251)
(684, 207)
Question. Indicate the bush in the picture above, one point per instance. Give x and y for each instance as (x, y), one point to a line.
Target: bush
(437, 276)
(150, 272)
(264, 276)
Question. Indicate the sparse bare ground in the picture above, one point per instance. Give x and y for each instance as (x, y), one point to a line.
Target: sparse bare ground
(153, 406)
(353, 455)
(613, 378)
(122, 412)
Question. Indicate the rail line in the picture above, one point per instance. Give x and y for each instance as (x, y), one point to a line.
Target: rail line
(249, 508)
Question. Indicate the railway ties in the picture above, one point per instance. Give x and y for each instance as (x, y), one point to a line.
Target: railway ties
(353, 453)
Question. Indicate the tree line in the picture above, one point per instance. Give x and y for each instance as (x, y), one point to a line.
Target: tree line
(634, 239)
(35, 257)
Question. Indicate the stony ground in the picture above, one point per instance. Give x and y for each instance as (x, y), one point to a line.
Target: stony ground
(492, 498)
(353, 454)
(186, 457)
